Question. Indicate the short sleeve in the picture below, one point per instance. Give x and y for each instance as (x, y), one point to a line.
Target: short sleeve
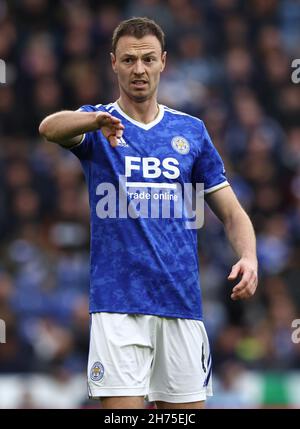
(83, 149)
(208, 167)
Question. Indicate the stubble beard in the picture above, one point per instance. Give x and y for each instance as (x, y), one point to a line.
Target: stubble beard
(139, 98)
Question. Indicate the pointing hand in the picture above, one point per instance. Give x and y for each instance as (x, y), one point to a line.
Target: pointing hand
(110, 126)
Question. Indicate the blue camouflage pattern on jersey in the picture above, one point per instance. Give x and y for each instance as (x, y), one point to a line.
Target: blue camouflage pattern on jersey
(144, 265)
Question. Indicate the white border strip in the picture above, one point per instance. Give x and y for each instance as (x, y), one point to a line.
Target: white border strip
(217, 187)
(150, 185)
(77, 144)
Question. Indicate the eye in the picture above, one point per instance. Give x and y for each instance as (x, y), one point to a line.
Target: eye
(149, 59)
(127, 60)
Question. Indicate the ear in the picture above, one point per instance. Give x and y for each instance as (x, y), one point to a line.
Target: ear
(163, 60)
(113, 62)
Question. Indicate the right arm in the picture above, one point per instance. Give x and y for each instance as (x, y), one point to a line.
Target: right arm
(67, 127)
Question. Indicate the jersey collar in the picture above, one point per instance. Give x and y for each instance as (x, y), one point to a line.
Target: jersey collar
(140, 124)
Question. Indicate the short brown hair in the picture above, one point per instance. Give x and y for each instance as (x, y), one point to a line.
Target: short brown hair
(138, 27)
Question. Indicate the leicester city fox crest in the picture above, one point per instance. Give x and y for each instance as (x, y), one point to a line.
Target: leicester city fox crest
(181, 145)
(97, 371)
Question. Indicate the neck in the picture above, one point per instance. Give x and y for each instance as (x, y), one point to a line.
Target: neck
(143, 112)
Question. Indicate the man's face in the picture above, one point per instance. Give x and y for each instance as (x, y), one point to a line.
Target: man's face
(138, 64)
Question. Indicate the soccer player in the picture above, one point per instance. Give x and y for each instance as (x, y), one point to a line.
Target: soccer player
(147, 336)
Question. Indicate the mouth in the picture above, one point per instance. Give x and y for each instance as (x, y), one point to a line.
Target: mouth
(139, 83)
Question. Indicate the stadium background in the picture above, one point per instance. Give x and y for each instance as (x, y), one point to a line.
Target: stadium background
(229, 63)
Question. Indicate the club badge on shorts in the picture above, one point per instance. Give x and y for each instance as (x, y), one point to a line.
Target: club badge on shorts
(97, 371)
(180, 144)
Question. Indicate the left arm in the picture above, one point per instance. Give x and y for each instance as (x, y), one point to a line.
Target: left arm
(240, 233)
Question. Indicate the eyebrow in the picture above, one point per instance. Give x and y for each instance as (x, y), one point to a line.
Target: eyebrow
(134, 56)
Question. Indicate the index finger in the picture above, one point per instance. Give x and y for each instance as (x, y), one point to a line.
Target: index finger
(116, 121)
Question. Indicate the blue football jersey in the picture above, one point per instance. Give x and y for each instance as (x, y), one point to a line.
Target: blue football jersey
(144, 261)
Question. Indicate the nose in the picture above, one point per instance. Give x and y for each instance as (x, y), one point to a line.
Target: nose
(139, 67)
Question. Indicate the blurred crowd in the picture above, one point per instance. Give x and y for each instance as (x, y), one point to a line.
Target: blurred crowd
(229, 63)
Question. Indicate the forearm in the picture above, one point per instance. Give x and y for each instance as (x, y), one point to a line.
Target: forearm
(241, 235)
(67, 126)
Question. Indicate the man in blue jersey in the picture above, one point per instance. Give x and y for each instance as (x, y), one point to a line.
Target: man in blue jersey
(147, 334)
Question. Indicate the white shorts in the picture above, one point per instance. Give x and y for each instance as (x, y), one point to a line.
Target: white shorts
(162, 359)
